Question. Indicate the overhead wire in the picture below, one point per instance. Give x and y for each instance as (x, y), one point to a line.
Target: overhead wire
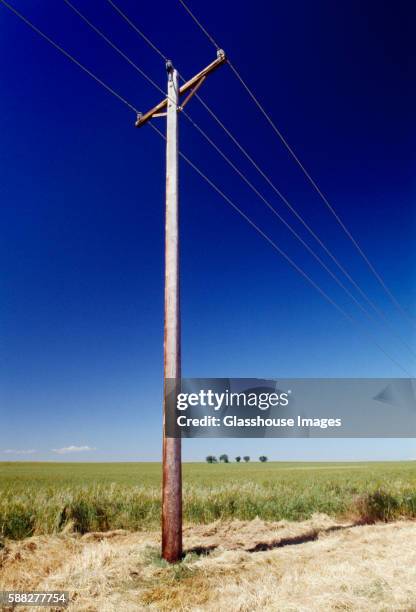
(314, 184)
(68, 55)
(119, 51)
(299, 238)
(376, 309)
(136, 29)
(282, 252)
(242, 176)
(211, 183)
(211, 142)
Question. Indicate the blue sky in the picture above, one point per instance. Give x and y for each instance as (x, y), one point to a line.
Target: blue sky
(81, 252)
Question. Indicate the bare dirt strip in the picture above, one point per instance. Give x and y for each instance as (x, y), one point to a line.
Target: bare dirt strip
(316, 565)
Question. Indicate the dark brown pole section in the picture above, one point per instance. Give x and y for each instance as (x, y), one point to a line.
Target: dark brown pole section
(172, 468)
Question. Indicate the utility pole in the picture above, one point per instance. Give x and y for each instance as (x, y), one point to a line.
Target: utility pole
(172, 466)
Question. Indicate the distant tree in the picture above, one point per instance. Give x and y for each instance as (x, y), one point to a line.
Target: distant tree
(263, 458)
(238, 459)
(211, 459)
(246, 458)
(224, 458)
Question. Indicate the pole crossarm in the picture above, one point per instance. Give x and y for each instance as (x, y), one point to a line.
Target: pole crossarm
(190, 86)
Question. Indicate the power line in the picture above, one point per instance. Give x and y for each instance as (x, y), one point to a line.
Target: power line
(68, 55)
(207, 34)
(217, 189)
(304, 170)
(149, 42)
(119, 51)
(280, 251)
(379, 312)
(300, 239)
(209, 140)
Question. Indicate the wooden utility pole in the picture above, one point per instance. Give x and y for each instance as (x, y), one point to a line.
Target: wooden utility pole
(172, 466)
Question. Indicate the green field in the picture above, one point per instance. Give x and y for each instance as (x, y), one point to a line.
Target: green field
(39, 498)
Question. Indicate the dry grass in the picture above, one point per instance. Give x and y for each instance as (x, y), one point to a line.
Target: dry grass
(315, 565)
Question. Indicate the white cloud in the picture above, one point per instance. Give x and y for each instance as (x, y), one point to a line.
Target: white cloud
(73, 449)
(22, 451)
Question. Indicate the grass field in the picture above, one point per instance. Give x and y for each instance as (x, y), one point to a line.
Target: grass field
(46, 498)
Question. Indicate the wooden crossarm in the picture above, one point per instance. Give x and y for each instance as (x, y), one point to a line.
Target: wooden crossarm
(193, 83)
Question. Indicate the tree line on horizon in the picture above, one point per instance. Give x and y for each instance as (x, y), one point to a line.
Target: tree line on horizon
(225, 459)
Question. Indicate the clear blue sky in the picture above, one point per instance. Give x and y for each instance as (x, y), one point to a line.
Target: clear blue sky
(81, 216)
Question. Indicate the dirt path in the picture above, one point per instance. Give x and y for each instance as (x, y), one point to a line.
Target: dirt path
(235, 566)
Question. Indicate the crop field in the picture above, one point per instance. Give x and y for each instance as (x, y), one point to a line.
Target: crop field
(49, 498)
(257, 536)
